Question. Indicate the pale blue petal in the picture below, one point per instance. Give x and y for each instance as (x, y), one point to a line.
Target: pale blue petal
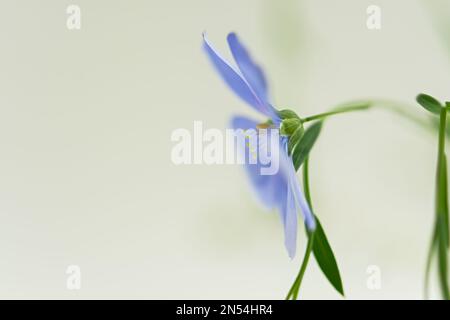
(290, 224)
(281, 191)
(300, 199)
(266, 187)
(233, 79)
(288, 170)
(249, 69)
(251, 72)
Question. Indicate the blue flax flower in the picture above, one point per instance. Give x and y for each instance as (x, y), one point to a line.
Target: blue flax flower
(282, 190)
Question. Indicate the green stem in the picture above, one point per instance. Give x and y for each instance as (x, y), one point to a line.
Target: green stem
(306, 190)
(431, 249)
(350, 108)
(397, 107)
(298, 280)
(442, 207)
(442, 128)
(401, 109)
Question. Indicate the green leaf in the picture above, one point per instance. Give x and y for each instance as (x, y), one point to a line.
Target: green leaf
(325, 258)
(295, 138)
(429, 103)
(305, 145)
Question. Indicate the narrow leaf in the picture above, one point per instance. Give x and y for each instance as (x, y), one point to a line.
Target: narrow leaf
(305, 145)
(429, 103)
(325, 258)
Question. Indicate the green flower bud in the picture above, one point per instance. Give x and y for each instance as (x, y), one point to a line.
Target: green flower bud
(288, 126)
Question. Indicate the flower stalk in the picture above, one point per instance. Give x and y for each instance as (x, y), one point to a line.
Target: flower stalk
(349, 108)
(442, 207)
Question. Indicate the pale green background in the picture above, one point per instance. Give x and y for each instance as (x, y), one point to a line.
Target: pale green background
(85, 170)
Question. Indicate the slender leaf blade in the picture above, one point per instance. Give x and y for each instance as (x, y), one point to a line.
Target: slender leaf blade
(325, 258)
(304, 146)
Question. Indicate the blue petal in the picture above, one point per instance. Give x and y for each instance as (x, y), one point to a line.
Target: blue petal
(266, 187)
(306, 210)
(290, 224)
(252, 73)
(281, 191)
(233, 79)
(295, 188)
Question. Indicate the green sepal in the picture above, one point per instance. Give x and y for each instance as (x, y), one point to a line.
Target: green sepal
(287, 114)
(288, 126)
(295, 138)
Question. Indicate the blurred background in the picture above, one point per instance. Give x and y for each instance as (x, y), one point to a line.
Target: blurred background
(86, 176)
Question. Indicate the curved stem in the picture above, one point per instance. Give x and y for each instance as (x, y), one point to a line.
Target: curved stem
(442, 208)
(348, 108)
(293, 292)
(401, 109)
(397, 107)
(306, 190)
(431, 250)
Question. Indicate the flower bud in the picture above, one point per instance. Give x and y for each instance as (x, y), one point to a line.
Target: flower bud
(288, 126)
